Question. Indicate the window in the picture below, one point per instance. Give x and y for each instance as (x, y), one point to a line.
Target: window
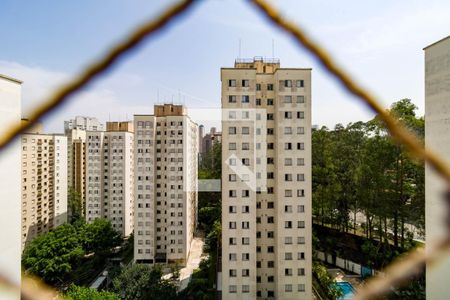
(245, 99)
(301, 272)
(245, 193)
(287, 83)
(288, 224)
(270, 234)
(287, 99)
(232, 130)
(232, 177)
(270, 220)
(232, 161)
(301, 209)
(232, 225)
(231, 99)
(300, 115)
(288, 240)
(300, 130)
(287, 146)
(245, 241)
(270, 87)
(288, 115)
(300, 224)
(245, 288)
(300, 99)
(232, 289)
(270, 204)
(301, 287)
(232, 115)
(269, 117)
(232, 82)
(233, 257)
(300, 240)
(245, 256)
(245, 161)
(288, 288)
(271, 264)
(258, 86)
(258, 102)
(301, 256)
(300, 177)
(233, 241)
(245, 83)
(299, 83)
(288, 161)
(245, 225)
(245, 272)
(287, 177)
(232, 146)
(245, 130)
(270, 249)
(245, 209)
(232, 193)
(288, 272)
(288, 208)
(288, 256)
(300, 146)
(245, 115)
(301, 193)
(287, 130)
(269, 102)
(232, 209)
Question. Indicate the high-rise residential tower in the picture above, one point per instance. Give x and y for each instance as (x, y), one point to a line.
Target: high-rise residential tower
(110, 175)
(75, 130)
(166, 151)
(437, 137)
(44, 182)
(266, 181)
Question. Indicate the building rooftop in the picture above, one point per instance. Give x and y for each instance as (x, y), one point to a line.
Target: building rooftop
(437, 42)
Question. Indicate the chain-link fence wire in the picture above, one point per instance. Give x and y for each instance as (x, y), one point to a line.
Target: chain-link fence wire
(398, 273)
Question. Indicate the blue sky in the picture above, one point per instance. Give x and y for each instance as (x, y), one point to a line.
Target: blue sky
(45, 42)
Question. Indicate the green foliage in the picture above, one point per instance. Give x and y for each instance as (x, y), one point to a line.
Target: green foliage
(359, 169)
(326, 283)
(75, 207)
(211, 163)
(54, 255)
(83, 293)
(99, 236)
(138, 282)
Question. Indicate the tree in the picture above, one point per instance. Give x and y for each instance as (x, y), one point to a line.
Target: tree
(53, 255)
(99, 236)
(75, 207)
(137, 282)
(83, 293)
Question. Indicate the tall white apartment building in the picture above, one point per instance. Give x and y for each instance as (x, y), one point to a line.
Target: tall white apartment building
(110, 176)
(10, 185)
(266, 181)
(166, 151)
(437, 138)
(75, 130)
(44, 182)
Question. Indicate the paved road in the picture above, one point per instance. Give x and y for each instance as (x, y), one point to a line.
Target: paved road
(192, 263)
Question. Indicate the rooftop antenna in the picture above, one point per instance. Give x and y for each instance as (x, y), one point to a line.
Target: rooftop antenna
(273, 48)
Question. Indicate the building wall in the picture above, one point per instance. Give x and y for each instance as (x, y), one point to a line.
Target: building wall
(166, 149)
(437, 138)
(44, 184)
(110, 178)
(10, 185)
(266, 207)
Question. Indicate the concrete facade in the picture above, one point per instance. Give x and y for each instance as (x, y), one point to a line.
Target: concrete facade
(44, 183)
(437, 138)
(110, 177)
(10, 185)
(166, 151)
(266, 181)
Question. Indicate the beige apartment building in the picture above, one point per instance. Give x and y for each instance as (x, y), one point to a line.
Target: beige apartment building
(44, 182)
(266, 181)
(166, 150)
(10, 185)
(75, 130)
(437, 138)
(110, 176)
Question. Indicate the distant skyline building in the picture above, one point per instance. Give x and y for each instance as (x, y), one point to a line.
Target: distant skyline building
(44, 182)
(266, 181)
(437, 138)
(210, 139)
(10, 185)
(110, 176)
(166, 152)
(84, 123)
